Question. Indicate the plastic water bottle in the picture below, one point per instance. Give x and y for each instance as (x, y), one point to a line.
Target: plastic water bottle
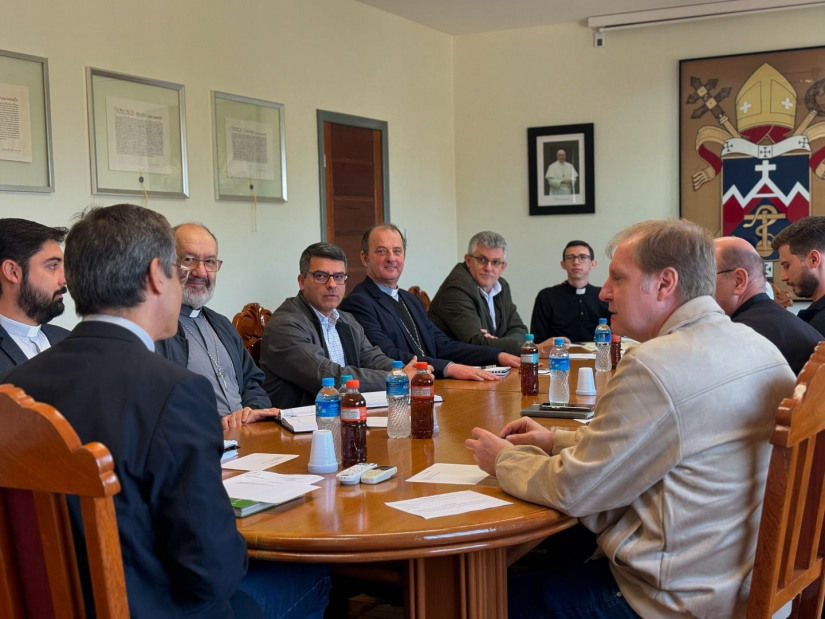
(398, 402)
(602, 338)
(328, 413)
(559, 372)
(344, 378)
(529, 366)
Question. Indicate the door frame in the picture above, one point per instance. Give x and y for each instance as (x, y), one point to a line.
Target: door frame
(353, 121)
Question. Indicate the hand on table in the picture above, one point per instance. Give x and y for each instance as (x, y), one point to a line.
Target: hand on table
(467, 372)
(248, 415)
(507, 360)
(485, 447)
(527, 431)
(547, 345)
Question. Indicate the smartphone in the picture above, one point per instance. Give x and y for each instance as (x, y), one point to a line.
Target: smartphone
(559, 411)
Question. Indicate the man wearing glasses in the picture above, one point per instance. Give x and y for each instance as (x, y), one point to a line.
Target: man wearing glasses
(308, 338)
(571, 309)
(474, 304)
(206, 342)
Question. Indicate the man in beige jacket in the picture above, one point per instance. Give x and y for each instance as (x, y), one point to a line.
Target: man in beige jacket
(670, 473)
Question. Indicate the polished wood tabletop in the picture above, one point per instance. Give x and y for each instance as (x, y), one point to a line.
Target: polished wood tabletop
(453, 566)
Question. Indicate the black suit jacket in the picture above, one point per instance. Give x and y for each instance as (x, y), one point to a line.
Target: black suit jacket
(10, 353)
(373, 310)
(794, 338)
(182, 552)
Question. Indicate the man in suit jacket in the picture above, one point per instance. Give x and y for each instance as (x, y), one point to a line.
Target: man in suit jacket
(308, 339)
(396, 321)
(206, 342)
(182, 552)
(32, 286)
(740, 291)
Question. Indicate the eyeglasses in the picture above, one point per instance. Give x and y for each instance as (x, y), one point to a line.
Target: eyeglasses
(190, 263)
(725, 271)
(497, 264)
(579, 257)
(322, 277)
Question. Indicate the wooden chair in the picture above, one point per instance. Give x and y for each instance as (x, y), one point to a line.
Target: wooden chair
(42, 461)
(250, 323)
(789, 554)
(422, 296)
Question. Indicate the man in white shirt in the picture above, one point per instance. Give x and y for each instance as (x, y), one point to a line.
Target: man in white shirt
(32, 286)
(561, 176)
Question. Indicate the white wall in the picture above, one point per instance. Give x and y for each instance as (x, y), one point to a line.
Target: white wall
(335, 55)
(508, 81)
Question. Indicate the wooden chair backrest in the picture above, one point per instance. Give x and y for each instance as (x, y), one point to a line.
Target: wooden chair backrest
(250, 323)
(42, 461)
(789, 554)
(422, 296)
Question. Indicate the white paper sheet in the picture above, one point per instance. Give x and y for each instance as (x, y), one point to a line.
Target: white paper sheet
(445, 473)
(448, 504)
(257, 461)
(269, 487)
(374, 399)
(376, 422)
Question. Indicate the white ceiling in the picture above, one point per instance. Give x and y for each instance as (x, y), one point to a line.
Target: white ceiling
(457, 17)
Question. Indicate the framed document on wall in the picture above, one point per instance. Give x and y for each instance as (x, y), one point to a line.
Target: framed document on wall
(25, 124)
(137, 135)
(250, 151)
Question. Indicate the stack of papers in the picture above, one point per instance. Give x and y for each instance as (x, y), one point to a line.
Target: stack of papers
(261, 489)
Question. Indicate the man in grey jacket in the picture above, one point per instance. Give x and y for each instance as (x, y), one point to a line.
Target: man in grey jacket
(671, 471)
(474, 304)
(308, 338)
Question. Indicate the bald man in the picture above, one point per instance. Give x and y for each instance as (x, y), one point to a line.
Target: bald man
(740, 291)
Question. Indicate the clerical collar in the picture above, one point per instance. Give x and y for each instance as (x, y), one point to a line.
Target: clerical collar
(19, 329)
(393, 292)
(191, 312)
(581, 290)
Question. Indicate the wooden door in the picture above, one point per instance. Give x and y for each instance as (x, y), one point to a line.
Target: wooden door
(353, 184)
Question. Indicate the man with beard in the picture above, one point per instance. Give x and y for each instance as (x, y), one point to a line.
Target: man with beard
(206, 342)
(32, 286)
(801, 248)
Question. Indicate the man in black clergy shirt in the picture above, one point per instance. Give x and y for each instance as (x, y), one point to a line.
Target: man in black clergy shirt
(740, 291)
(182, 552)
(571, 309)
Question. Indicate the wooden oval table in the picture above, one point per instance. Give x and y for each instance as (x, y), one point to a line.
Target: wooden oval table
(451, 567)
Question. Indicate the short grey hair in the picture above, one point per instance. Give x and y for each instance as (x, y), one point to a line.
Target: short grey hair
(196, 225)
(320, 250)
(108, 252)
(732, 257)
(490, 240)
(677, 243)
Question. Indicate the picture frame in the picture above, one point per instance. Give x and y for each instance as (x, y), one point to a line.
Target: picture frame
(26, 162)
(249, 148)
(752, 143)
(137, 135)
(561, 185)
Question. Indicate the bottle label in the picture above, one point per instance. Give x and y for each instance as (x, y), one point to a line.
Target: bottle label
(560, 363)
(357, 413)
(398, 387)
(602, 336)
(530, 358)
(328, 408)
(428, 391)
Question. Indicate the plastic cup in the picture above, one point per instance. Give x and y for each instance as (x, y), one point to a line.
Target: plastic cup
(322, 453)
(586, 384)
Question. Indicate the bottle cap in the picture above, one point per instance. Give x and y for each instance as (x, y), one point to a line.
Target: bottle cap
(397, 364)
(528, 337)
(329, 381)
(559, 341)
(353, 384)
(602, 321)
(422, 365)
